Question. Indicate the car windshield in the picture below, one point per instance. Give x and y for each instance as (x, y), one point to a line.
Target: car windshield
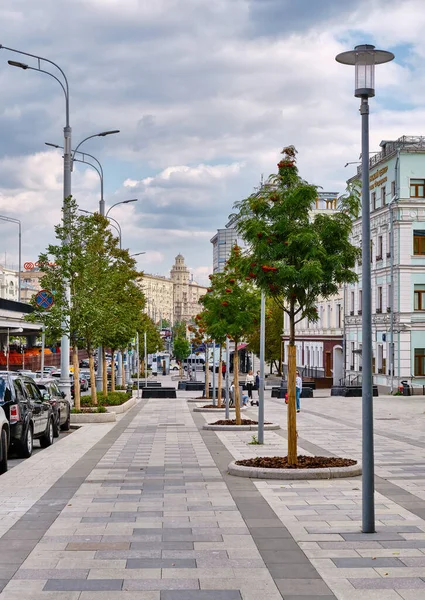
(4, 391)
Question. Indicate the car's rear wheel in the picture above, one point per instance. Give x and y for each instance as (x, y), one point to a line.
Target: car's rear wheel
(4, 449)
(67, 424)
(46, 439)
(26, 444)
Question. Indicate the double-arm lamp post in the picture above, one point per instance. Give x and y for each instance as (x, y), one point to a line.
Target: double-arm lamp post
(364, 58)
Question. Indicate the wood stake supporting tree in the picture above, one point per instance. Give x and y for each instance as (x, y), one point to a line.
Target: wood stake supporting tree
(220, 376)
(294, 256)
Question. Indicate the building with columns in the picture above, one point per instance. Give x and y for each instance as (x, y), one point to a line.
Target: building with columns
(174, 298)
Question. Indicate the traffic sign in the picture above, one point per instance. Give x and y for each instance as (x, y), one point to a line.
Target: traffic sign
(44, 299)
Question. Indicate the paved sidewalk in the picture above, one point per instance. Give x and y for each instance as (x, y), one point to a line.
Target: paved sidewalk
(150, 513)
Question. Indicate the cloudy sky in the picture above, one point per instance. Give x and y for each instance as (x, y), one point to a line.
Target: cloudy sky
(205, 94)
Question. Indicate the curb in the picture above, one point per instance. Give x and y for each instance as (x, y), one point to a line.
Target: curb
(122, 407)
(215, 410)
(108, 417)
(291, 474)
(211, 427)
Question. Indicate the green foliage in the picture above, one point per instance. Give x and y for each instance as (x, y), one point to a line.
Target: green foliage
(254, 441)
(98, 409)
(232, 304)
(181, 348)
(179, 329)
(154, 341)
(111, 399)
(293, 256)
(274, 328)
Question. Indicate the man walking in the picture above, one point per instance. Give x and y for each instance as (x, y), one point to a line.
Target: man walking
(298, 390)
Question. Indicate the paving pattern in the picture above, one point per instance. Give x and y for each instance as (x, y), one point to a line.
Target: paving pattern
(146, 510)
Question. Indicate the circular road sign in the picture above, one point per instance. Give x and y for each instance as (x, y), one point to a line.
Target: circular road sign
(44, 299)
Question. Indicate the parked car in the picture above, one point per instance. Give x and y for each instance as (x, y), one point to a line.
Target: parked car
(60, 404)
(86, 374)
(4, 440)
(30, 417)
(84, 364)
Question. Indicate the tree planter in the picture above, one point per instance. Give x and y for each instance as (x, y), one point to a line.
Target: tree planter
(294, 473)
(78, 418)
(214, 410)
(122, 407)
(252, 427)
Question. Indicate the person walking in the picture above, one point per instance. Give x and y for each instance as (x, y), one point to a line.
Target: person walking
(298, 390)
(249, 381)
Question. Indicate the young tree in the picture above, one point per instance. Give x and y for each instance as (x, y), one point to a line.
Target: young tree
(274, 326)
(181, 349)
(295, 257)
(154, 341)
(231, 307)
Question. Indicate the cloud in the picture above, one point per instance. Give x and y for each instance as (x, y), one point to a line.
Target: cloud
(205, 95)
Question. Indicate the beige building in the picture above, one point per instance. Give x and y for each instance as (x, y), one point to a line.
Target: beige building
(175, 298)
(30, 284)
(8, 284)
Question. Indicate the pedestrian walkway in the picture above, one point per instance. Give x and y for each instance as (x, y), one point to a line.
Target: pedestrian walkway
(149, 512)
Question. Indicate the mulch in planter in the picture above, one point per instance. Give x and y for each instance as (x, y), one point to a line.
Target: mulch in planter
(304, 462)
(213, 406)
(233, 422)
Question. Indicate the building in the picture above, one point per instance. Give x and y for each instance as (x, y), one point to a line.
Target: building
(320, 345)
(397, 199)
(175, 298)
(9, 284)
(223, 242)
(30, 283)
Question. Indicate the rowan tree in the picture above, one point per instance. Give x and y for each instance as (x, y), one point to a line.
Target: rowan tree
(294, 255)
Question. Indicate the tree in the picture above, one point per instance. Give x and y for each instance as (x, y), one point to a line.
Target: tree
(179, 329)
(181, 349)
(295, 257)
(154, 341)
(231, 308)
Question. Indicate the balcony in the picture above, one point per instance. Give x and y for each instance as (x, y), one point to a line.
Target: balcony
(379, 258)
(351, 313)
(388, 309)
(388, 254)
(378, 311)
(359, 312)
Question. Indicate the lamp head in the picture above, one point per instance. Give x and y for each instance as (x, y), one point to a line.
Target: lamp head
(128, 201)
(52, 145)
(364, 58)
(105, 133)
(14, 63)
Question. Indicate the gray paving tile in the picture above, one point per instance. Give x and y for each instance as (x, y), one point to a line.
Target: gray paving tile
(293, 571)
(389, 583)
(51, 574)
(267, 533)
(276, 544)
(160, 584)
(77, 585)
(162, 563)
(284, 556)
(359, 563)
(378, 537)
(303, 587)
(162, 545)
(201, 595)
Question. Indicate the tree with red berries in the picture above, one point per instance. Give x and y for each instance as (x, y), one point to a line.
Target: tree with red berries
(231, 309)
(294, 255)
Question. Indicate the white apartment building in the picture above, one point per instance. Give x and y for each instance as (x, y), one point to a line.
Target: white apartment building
(397, 181)
(8, 284)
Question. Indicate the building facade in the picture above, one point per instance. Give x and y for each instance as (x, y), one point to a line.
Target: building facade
(397, 185)
(175, 298)
(9, 284)
(30, 284)
(223, 242)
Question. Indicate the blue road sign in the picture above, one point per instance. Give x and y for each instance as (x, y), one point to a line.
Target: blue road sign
(44, 299)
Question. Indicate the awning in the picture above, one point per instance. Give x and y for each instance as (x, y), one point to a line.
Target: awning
(242, 346)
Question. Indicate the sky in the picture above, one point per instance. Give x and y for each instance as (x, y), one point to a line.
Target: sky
(205, 95)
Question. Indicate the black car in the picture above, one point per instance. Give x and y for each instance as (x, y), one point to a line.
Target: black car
(30, 417)
(60, 404)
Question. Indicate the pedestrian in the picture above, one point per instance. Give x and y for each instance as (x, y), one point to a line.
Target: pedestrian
(249, 381)
(223, 369)
(298, 389)
(257, 387)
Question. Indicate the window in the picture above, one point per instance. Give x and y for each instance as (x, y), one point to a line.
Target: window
(383, 195)
(420, 361)
(352, 303)
(373, 200)
(371, 251)
(389, 299)
(379, 299)
(389, 245)
(419, 297)
(360, 302)
(328, 316)
(417, 188)
(419, 242)
(380, 246)
(392, 189)
(338, 315)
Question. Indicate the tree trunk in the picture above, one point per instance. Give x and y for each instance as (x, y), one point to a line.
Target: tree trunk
(112, 370)
(142, 373)
(77, 391)
(220, 377)
(92, 378)
(207, 375)
(292, 411)
(237, 399)
(104, 373)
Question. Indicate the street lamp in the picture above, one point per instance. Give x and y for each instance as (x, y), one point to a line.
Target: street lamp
(364, 58)
(137, 254)
(11, 220)
(122, 202)
(67, 167)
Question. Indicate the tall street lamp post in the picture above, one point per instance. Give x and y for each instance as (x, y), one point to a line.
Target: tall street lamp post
(364, 58)
(67, 167)
(12, 220)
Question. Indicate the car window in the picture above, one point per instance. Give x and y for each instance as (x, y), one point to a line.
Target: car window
(5, 395)
(32, 391)
(55, 389)
(19, 390)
